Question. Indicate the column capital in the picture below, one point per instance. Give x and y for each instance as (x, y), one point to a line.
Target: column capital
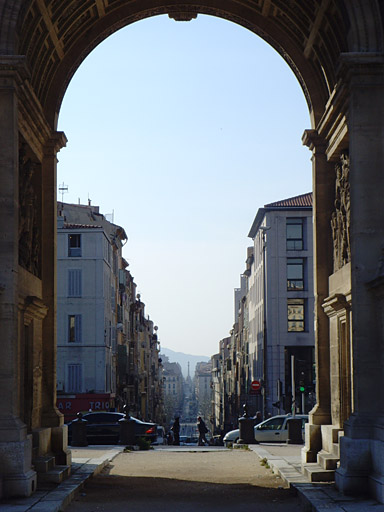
(14, 66)
(54, 143)
(354, 66)
(335, 303)
(314, 141)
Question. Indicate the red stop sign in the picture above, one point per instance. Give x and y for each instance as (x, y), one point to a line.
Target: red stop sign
(255, 385)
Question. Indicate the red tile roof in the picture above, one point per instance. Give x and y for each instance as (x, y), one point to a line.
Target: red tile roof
(305, 200)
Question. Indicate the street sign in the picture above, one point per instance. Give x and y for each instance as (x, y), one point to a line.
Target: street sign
(255, 385)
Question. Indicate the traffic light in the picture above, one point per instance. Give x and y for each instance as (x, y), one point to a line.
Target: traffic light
(302, 382)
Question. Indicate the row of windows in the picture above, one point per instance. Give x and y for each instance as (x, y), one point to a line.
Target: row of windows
(75, 250)
(75, 331)
(75, 287)
(296, 273)
(74, 380)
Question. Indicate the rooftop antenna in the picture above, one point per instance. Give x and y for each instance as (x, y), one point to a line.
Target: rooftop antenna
(63, 189)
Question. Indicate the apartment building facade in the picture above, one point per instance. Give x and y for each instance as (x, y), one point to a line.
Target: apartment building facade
(280, 304)
(107, 350)
(273, 320)
(173, 385)
(203, 389)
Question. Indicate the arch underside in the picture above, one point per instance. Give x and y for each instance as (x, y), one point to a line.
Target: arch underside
(55, 36)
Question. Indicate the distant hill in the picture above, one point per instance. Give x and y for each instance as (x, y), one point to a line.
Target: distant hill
(183, 360)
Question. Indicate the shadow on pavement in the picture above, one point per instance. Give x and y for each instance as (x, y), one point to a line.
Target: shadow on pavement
(139, 494)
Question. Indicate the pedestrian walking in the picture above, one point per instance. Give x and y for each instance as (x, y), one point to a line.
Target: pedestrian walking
(258, 418)
(176, 431)
(202, 431)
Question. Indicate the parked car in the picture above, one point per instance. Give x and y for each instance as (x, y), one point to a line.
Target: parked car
(273, 429)
(160, 436)
(104, 428)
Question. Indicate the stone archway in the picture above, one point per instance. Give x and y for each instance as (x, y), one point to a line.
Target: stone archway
(335, 49)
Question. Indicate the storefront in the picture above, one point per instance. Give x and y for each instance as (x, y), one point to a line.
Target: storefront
(70, 405)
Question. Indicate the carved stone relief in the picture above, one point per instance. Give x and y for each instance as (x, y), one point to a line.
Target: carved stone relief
(29, 229)
(341, 217)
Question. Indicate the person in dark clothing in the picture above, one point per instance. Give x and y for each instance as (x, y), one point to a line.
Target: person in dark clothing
(176, 431)
(258, 418)
(202, 431)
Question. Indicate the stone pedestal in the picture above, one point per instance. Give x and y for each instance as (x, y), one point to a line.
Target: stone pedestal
(295, 435)
(127, 431)
(247, 433)
(19, 479)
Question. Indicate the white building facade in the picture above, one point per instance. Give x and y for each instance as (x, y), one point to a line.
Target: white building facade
(89, 257)
(280, 302)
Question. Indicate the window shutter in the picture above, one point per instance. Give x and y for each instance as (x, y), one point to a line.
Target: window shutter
(78, 328)
(74, 283)
(79, 283)
(74, 384)
(70, 283)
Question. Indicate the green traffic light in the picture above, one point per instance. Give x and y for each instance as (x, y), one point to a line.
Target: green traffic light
(302, 389)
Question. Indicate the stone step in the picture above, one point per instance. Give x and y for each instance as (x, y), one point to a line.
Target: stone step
(336, 450)
(315, 473)
(44, 464)
(55, 475)
(327, 460)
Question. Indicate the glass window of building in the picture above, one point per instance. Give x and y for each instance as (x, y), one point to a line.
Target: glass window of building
(74, 245)
(295, 234)
(295, 274)
(296, 315)
(74, 328)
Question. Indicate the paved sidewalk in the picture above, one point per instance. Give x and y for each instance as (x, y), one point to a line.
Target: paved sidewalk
(285, 460)
(86, 462)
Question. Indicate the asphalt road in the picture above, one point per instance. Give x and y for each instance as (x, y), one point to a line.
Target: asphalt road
(189, 481)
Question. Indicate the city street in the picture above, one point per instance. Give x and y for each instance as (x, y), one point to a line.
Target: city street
(172, 479)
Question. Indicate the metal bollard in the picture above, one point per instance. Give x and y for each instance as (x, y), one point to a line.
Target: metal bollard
(79, 431)
(247, 434)
(127, 429)
(295, 435)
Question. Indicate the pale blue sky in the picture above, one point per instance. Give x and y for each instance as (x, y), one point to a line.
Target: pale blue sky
(184, 130)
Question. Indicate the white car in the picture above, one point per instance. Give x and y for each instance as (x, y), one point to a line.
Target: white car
(273, 429)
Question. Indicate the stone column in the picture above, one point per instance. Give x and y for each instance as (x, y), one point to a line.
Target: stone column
(15, 445)
(323, 198)
(51, 417)
(361, 459)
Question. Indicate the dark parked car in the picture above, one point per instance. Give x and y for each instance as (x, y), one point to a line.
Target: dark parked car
(104, 428)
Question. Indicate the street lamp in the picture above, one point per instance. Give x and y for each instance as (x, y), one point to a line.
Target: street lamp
(264, 230)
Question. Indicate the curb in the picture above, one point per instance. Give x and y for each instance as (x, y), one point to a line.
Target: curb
(314, 497)
(61, 496)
